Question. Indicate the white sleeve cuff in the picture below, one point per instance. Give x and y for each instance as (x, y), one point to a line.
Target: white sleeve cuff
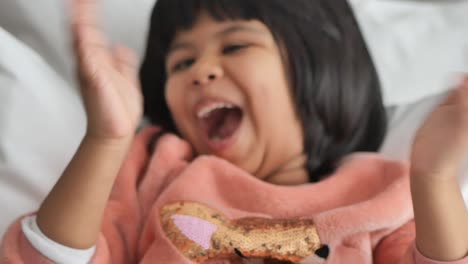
(54, 251)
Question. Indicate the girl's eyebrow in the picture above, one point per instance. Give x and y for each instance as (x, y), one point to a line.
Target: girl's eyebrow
(224, 32)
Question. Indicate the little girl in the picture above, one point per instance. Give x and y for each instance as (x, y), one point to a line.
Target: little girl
(263, 104)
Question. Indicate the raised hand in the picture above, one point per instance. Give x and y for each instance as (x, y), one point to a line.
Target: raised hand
(108, 77)
(439, 148)
(442, 141)
(73, 211)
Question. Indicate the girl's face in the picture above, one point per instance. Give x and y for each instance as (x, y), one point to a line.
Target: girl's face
(229, 94)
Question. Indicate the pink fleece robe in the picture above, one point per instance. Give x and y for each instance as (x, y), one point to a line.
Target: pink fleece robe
(363, 211)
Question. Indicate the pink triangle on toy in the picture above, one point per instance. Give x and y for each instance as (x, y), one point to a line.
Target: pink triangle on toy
(195, 229)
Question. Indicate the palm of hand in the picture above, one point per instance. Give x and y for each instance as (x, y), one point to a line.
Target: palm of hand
(108, 80)
(442, 141)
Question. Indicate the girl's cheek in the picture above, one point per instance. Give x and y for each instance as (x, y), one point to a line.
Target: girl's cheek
(175, 99)
(171, 99)
(171, 90)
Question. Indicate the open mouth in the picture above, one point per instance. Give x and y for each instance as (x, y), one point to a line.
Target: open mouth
(220, 121)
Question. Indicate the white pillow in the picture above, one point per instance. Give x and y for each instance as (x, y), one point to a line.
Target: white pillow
(45, 27)
(418, 46)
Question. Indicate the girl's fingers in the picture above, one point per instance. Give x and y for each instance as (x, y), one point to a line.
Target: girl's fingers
(91, 46)
(465, 80)
(126, 62)
(464, 85)
(85, 24)
(459, 95)
(463, 92)
(85, 11)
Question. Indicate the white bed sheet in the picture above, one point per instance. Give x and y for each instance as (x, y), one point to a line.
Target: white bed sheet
(41, 123)
(418, 46)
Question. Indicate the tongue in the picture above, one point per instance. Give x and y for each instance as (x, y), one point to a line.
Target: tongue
(222, 123)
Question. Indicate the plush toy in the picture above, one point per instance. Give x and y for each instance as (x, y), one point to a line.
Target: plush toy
(206, 236)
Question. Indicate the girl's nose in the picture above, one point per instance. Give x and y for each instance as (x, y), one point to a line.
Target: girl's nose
(206, 73)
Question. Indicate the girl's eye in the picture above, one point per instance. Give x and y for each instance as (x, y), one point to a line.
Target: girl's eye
(234, 48)
(182, 65)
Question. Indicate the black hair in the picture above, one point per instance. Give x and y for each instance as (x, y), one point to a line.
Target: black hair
(335, 85)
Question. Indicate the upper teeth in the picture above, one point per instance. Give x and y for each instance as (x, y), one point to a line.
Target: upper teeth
(204, 112)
